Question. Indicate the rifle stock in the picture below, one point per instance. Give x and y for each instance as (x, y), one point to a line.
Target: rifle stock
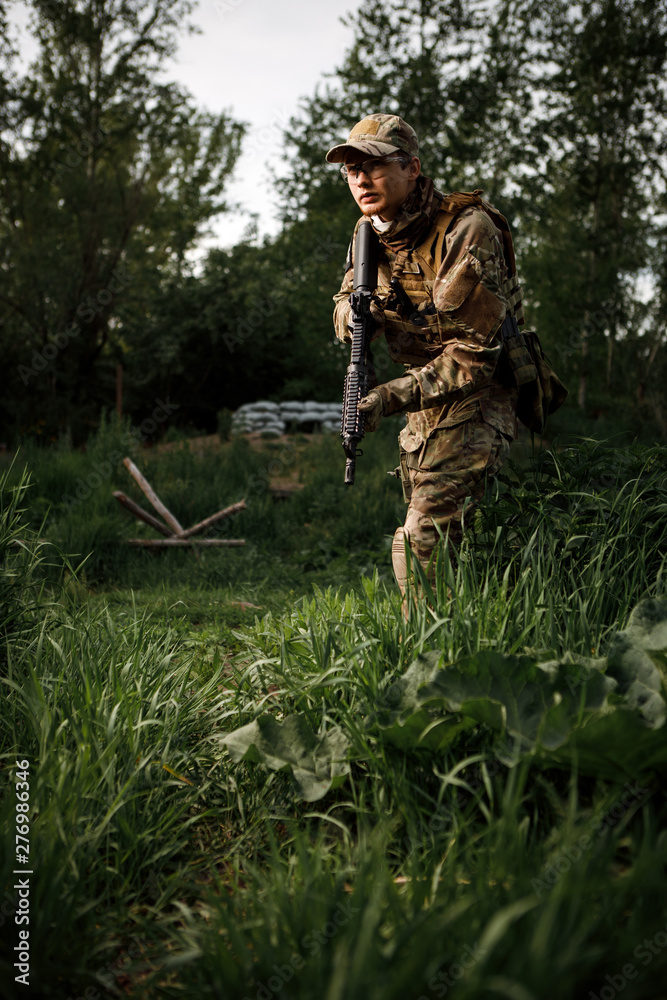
(360, 368)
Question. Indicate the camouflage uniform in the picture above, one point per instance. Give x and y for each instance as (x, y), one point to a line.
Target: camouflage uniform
(458, 395)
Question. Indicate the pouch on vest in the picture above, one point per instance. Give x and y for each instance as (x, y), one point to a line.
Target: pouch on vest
(541, 395)
(518, 355)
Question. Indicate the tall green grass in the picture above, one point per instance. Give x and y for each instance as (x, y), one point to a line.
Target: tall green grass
(162, 869)
(21, 555)
(113, 723)
(322, 532)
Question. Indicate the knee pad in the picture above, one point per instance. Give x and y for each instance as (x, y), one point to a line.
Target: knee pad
(398, 559)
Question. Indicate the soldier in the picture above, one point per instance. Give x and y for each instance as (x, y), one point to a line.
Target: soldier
(453, 257)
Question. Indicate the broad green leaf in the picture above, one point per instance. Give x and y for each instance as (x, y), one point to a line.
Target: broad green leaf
(638, 661)
(607, 714)
(514, 694)
(317, 763)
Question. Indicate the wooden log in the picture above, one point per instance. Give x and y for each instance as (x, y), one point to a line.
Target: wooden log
(152, 496)
(142, 514)
(207, 522)
(155, 543)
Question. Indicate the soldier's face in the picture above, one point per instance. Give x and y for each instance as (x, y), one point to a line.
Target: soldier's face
(384, 192)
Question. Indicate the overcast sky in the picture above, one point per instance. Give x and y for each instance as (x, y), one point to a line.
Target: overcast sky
(254, 58)
(257, 58)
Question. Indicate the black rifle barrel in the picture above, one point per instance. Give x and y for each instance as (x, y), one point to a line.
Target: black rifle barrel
(365, 258)
(359, 370)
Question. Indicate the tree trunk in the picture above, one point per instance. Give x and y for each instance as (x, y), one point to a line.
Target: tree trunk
(583, 376)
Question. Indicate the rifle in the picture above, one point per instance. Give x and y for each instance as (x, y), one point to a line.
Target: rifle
(360, 368)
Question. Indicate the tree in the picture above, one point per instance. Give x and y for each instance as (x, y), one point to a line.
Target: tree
(109, 177)
(592, 224)
(256, 323)
(409, 57)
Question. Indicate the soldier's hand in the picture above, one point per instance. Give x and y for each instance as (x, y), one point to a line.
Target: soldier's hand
(344, 334)
(371, 406)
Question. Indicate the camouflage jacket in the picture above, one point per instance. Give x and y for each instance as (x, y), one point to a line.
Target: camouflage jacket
(461, 281)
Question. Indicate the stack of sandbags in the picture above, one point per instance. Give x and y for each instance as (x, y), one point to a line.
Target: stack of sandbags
(330, 414)
(263, 417)
(312, 416)
(292, 415)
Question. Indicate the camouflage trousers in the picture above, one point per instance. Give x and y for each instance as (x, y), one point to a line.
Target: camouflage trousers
(451, 471)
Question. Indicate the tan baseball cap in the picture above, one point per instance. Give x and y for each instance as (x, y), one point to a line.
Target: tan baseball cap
(378, 135)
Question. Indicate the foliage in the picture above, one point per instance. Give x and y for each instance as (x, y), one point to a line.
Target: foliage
(255, 324)
(163, 868)
(316, 763)
(602, 714)
(592, 224)
(109, 721)
(110, 175)
(20, 556)
(556, 110)
(288, 542)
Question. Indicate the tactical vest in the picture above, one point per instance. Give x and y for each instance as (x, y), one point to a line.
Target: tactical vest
(413, 330)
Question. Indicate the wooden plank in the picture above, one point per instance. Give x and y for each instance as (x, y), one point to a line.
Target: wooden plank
(152, 496)
(142, 514)
(227, 512)
(155, 543)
